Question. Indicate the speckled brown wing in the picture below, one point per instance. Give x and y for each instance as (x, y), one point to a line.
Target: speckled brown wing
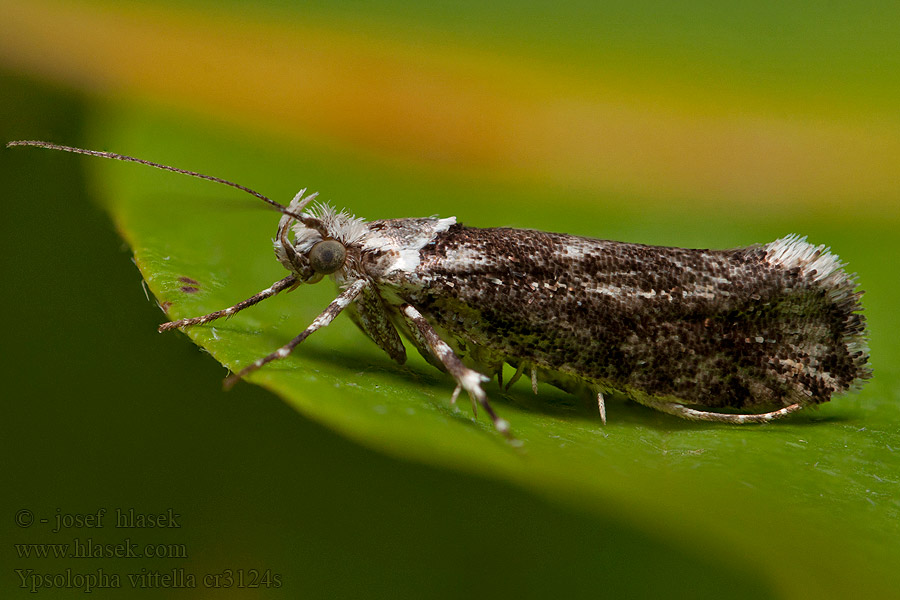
(764, 325)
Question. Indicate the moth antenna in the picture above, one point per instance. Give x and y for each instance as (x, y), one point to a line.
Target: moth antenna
(306, 220)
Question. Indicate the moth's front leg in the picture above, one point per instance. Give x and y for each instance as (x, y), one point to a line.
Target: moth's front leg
(323, 320)
(270, 291)
(466, 378)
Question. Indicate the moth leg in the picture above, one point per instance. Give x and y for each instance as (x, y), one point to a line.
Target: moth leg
(327, 316)
(270, 291)
(601, 404)
(679, 410)
(455, 395)
(466, 378)
(520, 368)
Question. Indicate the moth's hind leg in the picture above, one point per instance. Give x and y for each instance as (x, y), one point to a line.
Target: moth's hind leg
(466, 378)
(680, 410)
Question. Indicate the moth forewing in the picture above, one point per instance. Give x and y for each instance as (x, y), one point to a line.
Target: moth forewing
(760, 331)
(773, 327)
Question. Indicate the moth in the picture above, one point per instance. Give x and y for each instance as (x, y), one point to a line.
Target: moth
(745, 335)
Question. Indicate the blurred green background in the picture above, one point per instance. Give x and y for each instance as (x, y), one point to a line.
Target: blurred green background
(699, 125)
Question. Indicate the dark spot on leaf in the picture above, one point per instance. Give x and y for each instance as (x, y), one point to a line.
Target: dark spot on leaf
(189, 289)
(188, 280)
(166, 306)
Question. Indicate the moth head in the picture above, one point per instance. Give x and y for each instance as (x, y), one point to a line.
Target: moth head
(321, 239)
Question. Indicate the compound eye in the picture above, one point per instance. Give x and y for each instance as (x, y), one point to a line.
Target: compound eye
(327, 256)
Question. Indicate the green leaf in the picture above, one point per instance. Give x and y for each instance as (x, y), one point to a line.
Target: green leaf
(811, 503)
